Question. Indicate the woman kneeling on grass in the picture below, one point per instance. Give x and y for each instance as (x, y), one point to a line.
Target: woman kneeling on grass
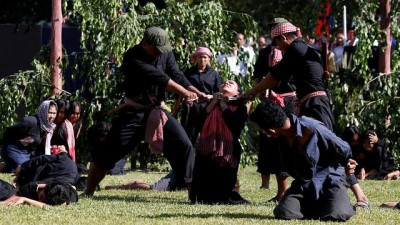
(218, 149)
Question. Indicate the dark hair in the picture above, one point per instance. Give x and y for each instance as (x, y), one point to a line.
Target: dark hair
(52, 103)
(268, 114)
(72, 106)
(62, 103)
(71, 110)
(365, 135)
(349, 133)
(98, 129)
(58, 193)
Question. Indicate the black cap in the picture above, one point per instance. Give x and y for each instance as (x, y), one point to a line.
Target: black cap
(157, 37)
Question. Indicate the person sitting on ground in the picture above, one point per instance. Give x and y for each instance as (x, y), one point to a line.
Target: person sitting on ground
(55, 193)
(316, 158)
(352, 135)
(64, 131)
(374, 160)
(21, 140)
(218, 149)
(74, 115)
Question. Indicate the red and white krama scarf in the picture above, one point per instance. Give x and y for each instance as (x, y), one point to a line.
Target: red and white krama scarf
(154, 134)
(216, 139)
(70, 139)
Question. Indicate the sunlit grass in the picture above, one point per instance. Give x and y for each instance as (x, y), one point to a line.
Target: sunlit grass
(150, 207)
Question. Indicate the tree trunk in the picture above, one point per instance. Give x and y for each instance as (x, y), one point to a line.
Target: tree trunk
(384, 56)
(56, 47)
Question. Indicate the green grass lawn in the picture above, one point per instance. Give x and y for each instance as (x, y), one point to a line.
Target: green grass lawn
(150, 207)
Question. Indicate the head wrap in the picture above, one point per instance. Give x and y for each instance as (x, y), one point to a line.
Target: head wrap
(282, 28)
(275, 56)
(200, 51)
(43, 116)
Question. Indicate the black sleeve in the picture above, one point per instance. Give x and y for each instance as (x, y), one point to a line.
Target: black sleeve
(235, 120)
(29, 191)
(261, 68)
(218, 81)
(174, 72)
(38, 161)
(27, 127)
(6, 190)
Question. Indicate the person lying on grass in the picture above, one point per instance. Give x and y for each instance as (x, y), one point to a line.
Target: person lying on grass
(55, 193)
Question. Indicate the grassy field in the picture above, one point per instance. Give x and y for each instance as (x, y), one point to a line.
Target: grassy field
(150, 207)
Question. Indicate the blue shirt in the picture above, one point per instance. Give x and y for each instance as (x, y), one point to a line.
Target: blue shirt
(322, 159)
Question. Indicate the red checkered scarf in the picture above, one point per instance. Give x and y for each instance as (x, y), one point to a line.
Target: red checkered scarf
(216, 140)
(154, 134)
(275, 56)
(282, 28)
(200, 51)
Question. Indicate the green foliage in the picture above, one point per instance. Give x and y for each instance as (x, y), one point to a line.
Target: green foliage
(360, 97)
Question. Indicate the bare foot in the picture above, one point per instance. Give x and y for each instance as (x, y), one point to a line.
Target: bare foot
(389, 205)
(137, 184)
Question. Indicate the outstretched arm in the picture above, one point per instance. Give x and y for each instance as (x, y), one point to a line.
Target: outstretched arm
(267, 82)
(17, 200)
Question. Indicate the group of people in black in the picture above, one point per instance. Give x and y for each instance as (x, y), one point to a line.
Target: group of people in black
(295, 115)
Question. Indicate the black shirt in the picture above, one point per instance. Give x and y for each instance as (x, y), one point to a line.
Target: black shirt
(29, 126)
(145, 77)
(48, 168)
(303, 63)
(261, 69)
(6, 190)
(207, 81)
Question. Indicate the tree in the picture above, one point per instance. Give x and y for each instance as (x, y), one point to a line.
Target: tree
(56, 47)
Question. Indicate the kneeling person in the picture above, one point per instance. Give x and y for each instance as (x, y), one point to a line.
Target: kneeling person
(315, 158)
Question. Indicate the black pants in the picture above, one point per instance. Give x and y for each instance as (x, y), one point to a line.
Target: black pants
(128, 130)
(333, 204)
(269, 155)
(319, 108)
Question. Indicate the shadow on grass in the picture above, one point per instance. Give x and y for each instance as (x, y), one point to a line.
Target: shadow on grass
(141, 198)
(211, 215)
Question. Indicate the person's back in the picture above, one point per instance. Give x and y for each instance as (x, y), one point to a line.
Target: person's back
(48, 168)
(316, 158)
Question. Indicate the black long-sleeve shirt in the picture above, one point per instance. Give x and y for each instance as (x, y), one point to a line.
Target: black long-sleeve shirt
(261, 69)
(145, 77)
(48, 168)
(303, 63)
(29, 126)
(208, 81)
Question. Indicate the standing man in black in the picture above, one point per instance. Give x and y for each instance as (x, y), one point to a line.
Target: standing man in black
(305, 65)
(150, 70)
(269, 159)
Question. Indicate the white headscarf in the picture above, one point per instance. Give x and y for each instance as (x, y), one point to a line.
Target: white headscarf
(45, 125)
(43, 112)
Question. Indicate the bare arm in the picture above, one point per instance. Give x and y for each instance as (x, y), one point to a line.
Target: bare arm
(176, 88)
(17, 200)
(266, 83)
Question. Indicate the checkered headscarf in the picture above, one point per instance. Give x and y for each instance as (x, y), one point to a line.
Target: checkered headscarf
(43, 113)
(282, 28)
